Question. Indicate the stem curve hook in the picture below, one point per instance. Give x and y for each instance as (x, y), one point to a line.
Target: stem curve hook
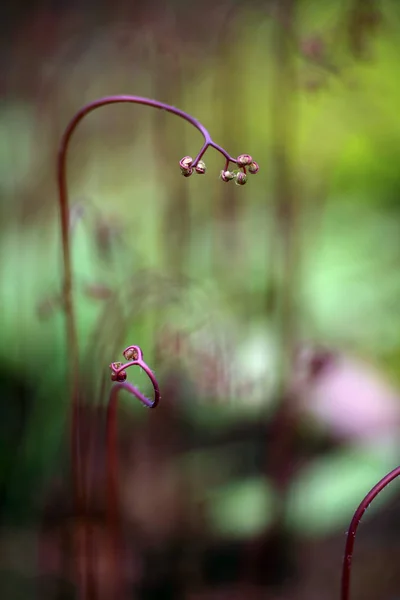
(71, 330)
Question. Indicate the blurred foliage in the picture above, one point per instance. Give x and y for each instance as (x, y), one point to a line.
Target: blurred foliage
(130, 287)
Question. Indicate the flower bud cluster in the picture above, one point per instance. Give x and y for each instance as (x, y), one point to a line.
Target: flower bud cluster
(243, 161)
(121, 376)
(186, 166)
(132, 353)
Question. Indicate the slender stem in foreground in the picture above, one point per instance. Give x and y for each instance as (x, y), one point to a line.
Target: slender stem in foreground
(187, 167)
(351, 534)
(112, 458)
(71, 330)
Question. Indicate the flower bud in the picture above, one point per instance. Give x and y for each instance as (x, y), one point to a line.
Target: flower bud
(200, 167)
(227, 175)
(117, 376)
(244, 159)
(131, 353)
(253, 167)
(185, 162)
(241, 178)
(120, 377)
(185, 165)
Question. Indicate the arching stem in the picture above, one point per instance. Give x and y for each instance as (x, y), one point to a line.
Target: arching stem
(71, 329)
(351, 534)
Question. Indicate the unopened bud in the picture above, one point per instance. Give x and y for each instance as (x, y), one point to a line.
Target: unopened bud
(227, 175)
(200, 167)
(253, 167)
(244, 159)
(117, 376)
(131, 353)
(185, 165)
(241, 178)
(120, 377)
(185, 162)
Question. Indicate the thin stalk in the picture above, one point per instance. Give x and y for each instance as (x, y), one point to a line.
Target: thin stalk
(77, 466)
(351, 534)
(71, 329)
(113, 513)
(283, 135)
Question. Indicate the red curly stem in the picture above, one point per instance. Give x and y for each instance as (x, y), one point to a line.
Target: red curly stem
(112, 459)
(118, 373)
(351, 534)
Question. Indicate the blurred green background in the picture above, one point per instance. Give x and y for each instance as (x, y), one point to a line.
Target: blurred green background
(269, 312)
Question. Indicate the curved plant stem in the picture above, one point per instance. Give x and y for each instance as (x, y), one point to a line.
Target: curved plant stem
(71, 329)
(77, 465)
(351, 534)
(114, 523)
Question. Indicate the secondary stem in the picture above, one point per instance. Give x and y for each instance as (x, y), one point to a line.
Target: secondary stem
(114, 522)
(351, 534)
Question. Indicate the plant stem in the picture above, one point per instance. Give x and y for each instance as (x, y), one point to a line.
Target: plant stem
(284, 128)
(77, 466)
(71, 329)
(351, 534)
(113, 517)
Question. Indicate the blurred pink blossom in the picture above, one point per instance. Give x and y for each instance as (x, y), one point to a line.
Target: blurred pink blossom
(348, 396)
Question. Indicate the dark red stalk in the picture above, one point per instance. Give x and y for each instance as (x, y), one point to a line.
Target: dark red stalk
(351, 534)
(114, 524)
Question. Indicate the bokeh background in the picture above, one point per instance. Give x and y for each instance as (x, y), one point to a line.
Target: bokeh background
(270, 313)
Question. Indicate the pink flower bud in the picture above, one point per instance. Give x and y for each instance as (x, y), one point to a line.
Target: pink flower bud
(200, 167)
(244, 159)
(185, 162)
(185, 165)
(117, 376)
(253, 167)
(131, 353)
(241, 178)
(120, 377)
(227, 175)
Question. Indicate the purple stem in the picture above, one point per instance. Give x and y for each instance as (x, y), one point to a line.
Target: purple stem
(113, 516)
(351, 534)
(72, 337)
(132, 389)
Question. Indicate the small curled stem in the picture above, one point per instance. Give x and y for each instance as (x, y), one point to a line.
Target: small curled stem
(351, 534)
(112, 453)
(132, 389)
(111, 437)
